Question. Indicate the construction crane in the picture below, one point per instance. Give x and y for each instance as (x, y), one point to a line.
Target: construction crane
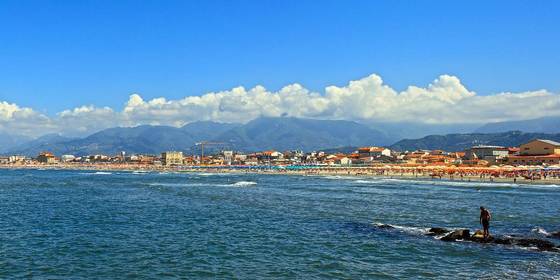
(206, 143)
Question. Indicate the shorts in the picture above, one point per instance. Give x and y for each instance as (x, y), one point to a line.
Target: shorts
(485, 224)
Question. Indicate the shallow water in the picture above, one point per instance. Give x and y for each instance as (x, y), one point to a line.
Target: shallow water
(79, 224)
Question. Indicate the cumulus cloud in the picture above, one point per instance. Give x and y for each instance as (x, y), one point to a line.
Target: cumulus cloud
(445, 100)
(24, 121)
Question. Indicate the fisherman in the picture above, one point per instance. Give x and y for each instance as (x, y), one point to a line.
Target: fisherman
(485, 217)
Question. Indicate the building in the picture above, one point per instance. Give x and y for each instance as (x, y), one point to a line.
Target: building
(492, 154)
(228, 157)
(268, 157)
(16, 159)
(537, 152)
(343, 160)
(540, 147)
(67, 158)
(374, 152)
(46, 157)
(172, 158)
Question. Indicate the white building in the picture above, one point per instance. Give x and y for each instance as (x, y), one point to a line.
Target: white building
(67, 158)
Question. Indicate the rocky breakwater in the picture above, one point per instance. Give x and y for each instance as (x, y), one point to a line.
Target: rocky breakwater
(448, 235)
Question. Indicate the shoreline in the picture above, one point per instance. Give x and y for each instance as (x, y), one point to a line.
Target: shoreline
(356, 172)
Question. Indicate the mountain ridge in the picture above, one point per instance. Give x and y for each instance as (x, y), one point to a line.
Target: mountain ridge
(259, 134)
(540, 125)
(462, 141)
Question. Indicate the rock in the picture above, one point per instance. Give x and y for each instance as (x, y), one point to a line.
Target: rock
(385, 226)
(460, 234)
(555, 234)
(503, 241)
(478, 236)
(543, 245)
(437, 231)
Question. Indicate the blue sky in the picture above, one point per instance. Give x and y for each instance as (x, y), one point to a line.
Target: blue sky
(56, 55)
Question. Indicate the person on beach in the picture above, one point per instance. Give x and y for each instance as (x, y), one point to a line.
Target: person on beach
(485, 217)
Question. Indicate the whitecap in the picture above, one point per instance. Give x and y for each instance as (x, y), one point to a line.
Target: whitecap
(96, 173)
(368, 181)
(337, 177)
(540, 230)
(243, 184)
(237, 184)
(407, 229)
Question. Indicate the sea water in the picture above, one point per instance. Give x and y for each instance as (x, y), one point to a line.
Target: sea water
(115, 225)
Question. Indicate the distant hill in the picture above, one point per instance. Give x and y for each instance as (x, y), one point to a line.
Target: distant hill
(145, 139)
(40, 144)
(259, 134)
(302, 134)
(411, 130)
(460, 142)
(542, 125)
(207, 130)
(9, 141)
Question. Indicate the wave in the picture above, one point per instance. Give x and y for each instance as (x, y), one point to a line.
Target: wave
(368, 181)
(236, 184)
(471, 184)
(97, 173)
(178, 184)
(540, 230)
(337, 177)
(213, 174)
(243, 184)
(407, 229)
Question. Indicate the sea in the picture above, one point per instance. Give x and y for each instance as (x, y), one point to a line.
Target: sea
(62, 224)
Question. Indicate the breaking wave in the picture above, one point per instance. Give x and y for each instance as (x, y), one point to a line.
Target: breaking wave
(97, 173)
(368, 181)
(236, 184)
(243, 184)
(337, 177)
(540, 230)
(448, 183)
(407, 229)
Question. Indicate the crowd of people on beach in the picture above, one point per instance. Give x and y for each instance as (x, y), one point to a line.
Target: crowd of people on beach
(457, 173)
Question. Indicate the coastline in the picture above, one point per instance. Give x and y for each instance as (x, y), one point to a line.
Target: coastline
(350, 172)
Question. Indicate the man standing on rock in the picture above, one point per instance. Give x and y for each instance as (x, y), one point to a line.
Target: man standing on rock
(485, 217)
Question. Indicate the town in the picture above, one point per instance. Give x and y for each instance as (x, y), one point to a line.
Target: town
(536, 152)
(479, 161)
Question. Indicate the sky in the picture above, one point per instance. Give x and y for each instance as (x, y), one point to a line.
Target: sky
(79, 66)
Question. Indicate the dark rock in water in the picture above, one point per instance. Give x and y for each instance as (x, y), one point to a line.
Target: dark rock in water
(543, 245)
(489, 239)
(461, 234)
(503, 241)
(478, 237)
(437, 231)
(555, 234)
(385, 226)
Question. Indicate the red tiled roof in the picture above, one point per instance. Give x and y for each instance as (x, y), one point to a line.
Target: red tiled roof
(533, 157)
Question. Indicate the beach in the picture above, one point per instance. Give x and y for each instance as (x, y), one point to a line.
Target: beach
(532, 175)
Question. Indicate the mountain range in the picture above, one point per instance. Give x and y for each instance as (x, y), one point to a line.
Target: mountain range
(285, 133)
(461, 142)
(542, 125)
(259, 134)
(9, 142)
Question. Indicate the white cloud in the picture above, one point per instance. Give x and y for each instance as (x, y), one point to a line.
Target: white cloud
(445, 100)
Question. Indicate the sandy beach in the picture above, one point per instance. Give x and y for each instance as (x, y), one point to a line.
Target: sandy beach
(456, 174)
